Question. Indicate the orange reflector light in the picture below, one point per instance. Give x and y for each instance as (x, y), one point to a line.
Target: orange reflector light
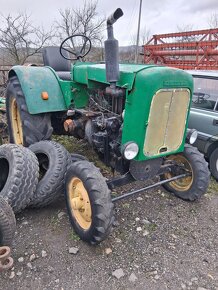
(44, 95)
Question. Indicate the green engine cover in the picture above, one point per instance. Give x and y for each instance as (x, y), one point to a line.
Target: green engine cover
(157, 110)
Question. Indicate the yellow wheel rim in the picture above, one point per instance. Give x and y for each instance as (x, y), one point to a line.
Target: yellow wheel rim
(182, 184)
(80, 203)
(16, 123)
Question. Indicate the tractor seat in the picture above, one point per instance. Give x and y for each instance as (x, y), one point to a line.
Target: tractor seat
(52, 57)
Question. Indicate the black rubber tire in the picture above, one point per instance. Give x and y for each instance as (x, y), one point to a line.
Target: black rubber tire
(7, 223)
(100, 200)
(53, 162)
(35, 127)
(77, 157)
(201, 176)
(214, 163)
(19, 175)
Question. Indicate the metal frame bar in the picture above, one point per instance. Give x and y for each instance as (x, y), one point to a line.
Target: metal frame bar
(125, 195)
(199, 53)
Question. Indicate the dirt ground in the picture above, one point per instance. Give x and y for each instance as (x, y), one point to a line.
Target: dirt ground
(158, 242)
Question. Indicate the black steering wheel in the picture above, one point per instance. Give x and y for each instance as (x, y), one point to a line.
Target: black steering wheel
(77, 45)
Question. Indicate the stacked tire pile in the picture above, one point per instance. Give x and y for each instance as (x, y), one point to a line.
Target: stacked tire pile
(29, 177)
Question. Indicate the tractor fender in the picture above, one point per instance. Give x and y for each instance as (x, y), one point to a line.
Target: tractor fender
(41, 88)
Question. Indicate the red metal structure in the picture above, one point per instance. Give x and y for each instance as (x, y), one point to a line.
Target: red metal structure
(185, 50)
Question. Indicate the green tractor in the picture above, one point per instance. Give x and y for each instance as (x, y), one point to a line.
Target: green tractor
(135, 117)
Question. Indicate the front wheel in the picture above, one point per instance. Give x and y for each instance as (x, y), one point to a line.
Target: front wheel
(214, 164)
(89, 202)
(196, 183)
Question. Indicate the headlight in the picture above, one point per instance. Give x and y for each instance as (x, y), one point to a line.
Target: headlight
(192, 135)
(130, 150)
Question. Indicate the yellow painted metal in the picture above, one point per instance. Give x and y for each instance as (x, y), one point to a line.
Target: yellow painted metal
(182, 184)
(80, 203)
(167, 121)
(16, 122)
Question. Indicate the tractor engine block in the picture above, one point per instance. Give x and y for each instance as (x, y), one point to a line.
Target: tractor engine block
(106, 138)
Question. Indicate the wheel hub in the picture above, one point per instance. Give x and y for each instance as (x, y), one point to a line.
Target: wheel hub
(16, 123)
(80, 203)
(182, 184)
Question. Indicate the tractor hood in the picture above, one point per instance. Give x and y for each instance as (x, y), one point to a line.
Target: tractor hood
(156, 108)
(87, 73)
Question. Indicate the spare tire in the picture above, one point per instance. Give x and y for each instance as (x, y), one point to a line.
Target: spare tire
(18, 176)
(53, 161)
(7, 223)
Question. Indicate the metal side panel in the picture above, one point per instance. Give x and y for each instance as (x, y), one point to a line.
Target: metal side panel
(36, 80)
(167, 121)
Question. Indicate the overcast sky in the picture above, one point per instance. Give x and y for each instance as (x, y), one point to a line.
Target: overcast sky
(159, 16)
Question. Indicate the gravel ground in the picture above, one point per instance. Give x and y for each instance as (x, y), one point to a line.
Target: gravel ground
(158, 242)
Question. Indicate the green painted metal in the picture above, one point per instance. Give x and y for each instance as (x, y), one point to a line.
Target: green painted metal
(62, 94)
(34, 81)
(147, 82)
(75, 95)
(141, 83)
(87, 73)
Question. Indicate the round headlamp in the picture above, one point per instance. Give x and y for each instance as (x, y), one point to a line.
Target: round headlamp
(130, 150)
(192, 135)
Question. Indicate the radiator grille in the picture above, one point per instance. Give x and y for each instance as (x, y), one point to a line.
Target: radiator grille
(167, 121)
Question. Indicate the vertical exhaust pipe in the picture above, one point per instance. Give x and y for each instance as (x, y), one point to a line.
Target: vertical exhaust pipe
(112, 50)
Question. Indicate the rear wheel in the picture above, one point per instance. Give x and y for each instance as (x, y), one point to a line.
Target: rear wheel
(24, 128)
(196, 183)
(88, 202)
(214, 164)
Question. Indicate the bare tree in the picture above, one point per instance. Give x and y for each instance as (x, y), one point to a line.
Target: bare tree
(144, 36)
(20, 39)
(213, 20)
(83, 20)
(128, 54)
(186, 38)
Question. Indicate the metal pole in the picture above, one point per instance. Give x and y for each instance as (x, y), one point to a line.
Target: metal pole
(138, 32)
